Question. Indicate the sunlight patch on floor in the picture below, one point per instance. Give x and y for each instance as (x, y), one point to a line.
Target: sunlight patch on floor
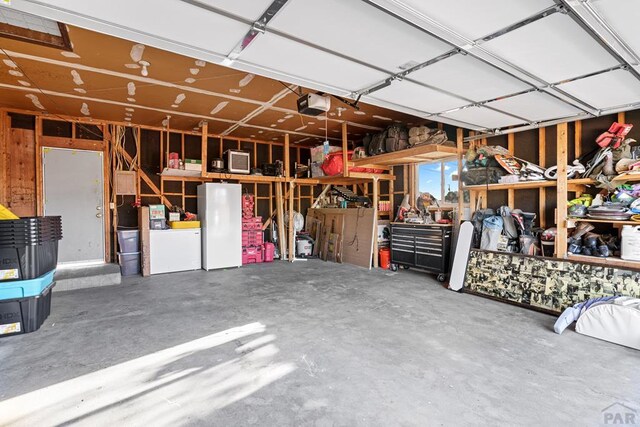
(169, 387)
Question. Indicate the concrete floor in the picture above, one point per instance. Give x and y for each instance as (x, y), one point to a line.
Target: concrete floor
(308, 343)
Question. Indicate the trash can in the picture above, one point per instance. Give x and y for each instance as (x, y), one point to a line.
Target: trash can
(129, 263)
(128, 240)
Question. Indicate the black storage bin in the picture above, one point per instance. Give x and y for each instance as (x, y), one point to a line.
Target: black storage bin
(29, 247)
(24, 315)
(30, 261)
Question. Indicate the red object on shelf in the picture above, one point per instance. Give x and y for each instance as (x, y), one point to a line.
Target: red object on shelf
(174, 161)
(252, 255)
(252, 238)
(269, 250)
(247, 205)
(333, 165)
(254, 223)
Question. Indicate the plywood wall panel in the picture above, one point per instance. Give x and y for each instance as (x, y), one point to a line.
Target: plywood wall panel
(593, 127)
(193, 147)
(526, 145)
(21, 172)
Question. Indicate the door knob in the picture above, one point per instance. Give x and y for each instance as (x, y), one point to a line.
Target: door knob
(98, 215)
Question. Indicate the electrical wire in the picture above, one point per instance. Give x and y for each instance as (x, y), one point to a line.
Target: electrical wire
(289, 87)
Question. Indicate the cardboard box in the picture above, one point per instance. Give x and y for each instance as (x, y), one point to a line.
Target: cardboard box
(193, 165)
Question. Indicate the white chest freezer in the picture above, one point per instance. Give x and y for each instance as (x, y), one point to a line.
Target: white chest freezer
(175, 250)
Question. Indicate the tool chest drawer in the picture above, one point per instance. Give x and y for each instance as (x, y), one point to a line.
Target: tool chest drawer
(422, 246)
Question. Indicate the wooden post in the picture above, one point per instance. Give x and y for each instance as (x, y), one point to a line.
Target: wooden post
(292, 237)
(204, 144)
(578, 138)
(542, 191)
(443, 179)
(137, 165)
(282, 243)
(182, 155)
(107, 179)
(4, 157)
(114, 212)
(413, 181)
(511, 146)
(374, 249)
(459, 156)
(391, 204)
(345, 150)
(287, 168)
(39, 175)
(143, 225)
(561, 211)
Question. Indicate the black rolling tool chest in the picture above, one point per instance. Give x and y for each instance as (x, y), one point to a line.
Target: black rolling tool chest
(424, 246)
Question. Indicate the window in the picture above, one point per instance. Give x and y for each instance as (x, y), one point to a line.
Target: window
(437, 179)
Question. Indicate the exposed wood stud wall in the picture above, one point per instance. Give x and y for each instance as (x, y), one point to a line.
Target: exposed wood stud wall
(511, 146)
(460, 147)
(561, 212)
(4, 154)
(542, 192)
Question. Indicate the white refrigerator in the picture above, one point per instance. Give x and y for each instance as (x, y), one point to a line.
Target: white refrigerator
(220, 214)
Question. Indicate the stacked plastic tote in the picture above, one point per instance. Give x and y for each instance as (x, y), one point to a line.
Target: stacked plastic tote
(254, 249)
(28, 259)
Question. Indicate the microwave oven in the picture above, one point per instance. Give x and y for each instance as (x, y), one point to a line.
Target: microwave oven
(238, 161)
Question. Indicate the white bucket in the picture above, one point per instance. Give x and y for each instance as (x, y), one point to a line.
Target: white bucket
(630, 247)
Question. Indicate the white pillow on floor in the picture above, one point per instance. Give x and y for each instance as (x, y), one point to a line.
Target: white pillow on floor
(616, 323)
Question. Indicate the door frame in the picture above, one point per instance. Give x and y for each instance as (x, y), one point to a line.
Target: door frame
(74, 143)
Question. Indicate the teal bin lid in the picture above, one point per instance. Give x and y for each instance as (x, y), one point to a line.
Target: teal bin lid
(25, 288)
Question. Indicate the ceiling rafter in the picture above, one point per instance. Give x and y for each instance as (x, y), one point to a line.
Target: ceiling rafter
(160, 110)
(277, 97)
(398, 9)
(152, 81)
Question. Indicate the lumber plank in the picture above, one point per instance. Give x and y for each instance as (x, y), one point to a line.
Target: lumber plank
(562, 191)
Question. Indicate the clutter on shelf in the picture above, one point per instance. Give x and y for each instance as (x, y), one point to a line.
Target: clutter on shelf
(614, 158)
(493, 164)
(583, 241)
(426, 210)
(507, 230)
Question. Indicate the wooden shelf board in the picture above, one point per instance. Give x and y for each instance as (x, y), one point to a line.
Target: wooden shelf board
(353, 178)
(419, 154)
(604, 221)
(627, 177)
(609, 261)
(527, 185)
(243, 178)
(581, 181)
(182, 178)
(515, 186)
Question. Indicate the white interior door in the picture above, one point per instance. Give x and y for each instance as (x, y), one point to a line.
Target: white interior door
(74, 189)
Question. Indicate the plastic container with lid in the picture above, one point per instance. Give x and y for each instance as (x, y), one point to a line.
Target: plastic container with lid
(630, 246)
